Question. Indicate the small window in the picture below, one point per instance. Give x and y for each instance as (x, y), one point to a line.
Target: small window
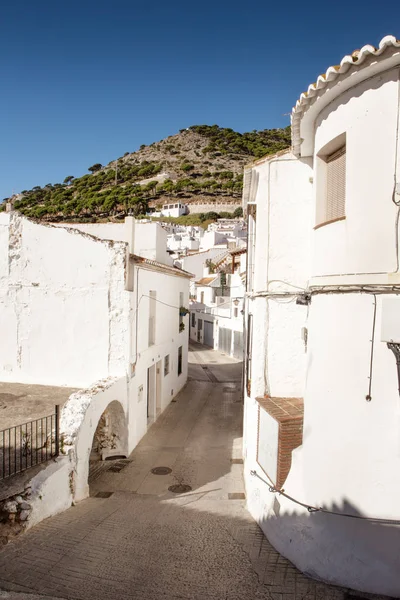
(181, 315)
(336, 184)
(193, 319)
(202, 297)
(331, 183)
(152, 317)
(166, 365)
(235, 312)
(180, 360)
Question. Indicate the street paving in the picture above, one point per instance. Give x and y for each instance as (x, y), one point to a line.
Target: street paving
(144, 542)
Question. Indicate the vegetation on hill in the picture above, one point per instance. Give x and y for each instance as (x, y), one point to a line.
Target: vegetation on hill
(202, 163)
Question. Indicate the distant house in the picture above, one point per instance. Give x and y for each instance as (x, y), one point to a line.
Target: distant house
(216, 312)
(176, 209)
(323, 329)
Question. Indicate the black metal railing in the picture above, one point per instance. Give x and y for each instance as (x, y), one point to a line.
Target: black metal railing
(30, 444)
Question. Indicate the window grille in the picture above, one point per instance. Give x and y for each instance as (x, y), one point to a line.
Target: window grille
(335, 185)
(166, 365)
(180, 360)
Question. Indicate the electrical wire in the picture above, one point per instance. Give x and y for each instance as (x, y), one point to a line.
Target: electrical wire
(313, 509)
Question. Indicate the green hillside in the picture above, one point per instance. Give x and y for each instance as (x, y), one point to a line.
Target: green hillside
(200, 164)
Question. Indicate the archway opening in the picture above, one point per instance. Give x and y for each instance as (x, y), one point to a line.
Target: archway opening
(110, 442)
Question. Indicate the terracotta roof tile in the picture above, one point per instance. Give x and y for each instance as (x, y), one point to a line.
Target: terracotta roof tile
(206, 280)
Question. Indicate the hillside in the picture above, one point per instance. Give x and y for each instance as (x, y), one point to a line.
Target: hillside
(200, 164)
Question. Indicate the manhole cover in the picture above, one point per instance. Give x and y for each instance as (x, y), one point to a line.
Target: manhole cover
(180, 488)
(161, 471)
(103, 494)
(115, 457)
(236, 496)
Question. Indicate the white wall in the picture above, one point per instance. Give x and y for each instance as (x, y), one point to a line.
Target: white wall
(194, 263)
(199, 315)
(282, 266)
(350, 458)
(345, 246)
(167, 341)
(212, 238)
(149, 239)
(55, 289)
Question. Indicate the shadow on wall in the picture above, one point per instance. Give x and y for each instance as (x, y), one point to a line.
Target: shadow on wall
(360, 553)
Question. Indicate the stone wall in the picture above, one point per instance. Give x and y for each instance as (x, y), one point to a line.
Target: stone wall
(14, 514)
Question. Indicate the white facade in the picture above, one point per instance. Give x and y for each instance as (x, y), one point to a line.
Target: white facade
(81, 311)
(220, 305)
(332, 348)
(150, 239)
(176, 209)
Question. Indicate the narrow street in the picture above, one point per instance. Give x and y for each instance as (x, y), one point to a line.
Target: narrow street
(133, 538)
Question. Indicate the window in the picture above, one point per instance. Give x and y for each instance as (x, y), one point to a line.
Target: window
(331, 182)
(152, 317)
(235, 312)
(179, 360)
(193, 319)
(249, 349)
(202, 297)
(181, 316)
(166, 365)
(251, 245)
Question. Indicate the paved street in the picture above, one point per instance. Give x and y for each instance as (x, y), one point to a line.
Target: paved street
(144, 542)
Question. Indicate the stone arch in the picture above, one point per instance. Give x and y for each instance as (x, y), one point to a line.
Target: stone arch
(111, 434)
(106, 402)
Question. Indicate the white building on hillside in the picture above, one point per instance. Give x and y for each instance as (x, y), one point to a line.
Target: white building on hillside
(95, 307)
(175, 209)
(323, 326)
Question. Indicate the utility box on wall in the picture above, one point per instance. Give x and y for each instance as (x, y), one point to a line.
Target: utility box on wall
(280, 431)
(390, 325)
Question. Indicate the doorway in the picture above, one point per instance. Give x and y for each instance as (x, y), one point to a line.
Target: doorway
(199, 328)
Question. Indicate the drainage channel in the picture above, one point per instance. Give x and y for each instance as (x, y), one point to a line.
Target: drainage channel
(209, 374)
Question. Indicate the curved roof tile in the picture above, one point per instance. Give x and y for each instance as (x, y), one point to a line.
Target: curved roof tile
(355, 59)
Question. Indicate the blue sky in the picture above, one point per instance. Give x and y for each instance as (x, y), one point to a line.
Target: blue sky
(85, 82)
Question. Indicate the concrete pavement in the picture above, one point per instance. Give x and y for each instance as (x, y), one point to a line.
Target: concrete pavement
(145, 542)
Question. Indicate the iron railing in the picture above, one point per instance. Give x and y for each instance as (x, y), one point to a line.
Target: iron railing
(30, 444)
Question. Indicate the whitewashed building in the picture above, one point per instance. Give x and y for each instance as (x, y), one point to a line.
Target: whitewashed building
(174, 209)
(216, 313)
(95, 307)
(323, 328)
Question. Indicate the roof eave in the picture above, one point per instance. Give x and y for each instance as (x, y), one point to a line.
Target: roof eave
(352, 70)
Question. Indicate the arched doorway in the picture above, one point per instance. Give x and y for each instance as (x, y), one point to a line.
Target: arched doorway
(110, 441)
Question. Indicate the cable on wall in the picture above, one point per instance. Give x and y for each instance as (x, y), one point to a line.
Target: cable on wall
(313, 509)
(368, 397)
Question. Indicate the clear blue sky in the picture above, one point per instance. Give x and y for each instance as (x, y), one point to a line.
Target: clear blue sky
(85, 82)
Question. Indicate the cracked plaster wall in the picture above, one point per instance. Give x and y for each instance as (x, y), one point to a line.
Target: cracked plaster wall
(63, 306)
